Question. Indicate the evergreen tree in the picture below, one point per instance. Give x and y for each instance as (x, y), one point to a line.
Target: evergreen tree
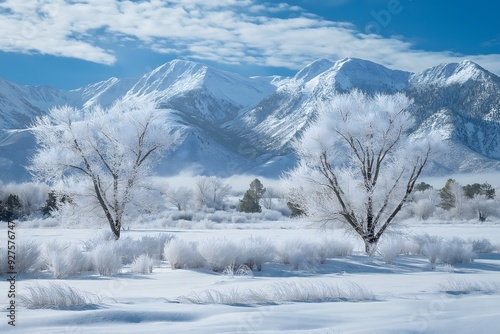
(448, 198)
(422, 186)
(471, 190)
(10, 208)
(251, 199)
(54, 201)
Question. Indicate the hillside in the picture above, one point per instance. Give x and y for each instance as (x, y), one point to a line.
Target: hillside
(235, 125)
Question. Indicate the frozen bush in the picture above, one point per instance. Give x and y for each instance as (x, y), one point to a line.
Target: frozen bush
(329, 247)
(423, 209)
(482, 246)
(154, 245)
(100, 237)
(27, 256)
(389, 249)
(128, 249)
(181, 215)
(456, 250)
(216, 217)
(181, 254)
(220, 253)
(142, 265)
(56, 296)
(423, 239)
(239, 219)
(65, 260)
(299, 253)
(255, 251)
(448, 251)
(432, 251)
(272, 215)
(106, 259)
(207, 224)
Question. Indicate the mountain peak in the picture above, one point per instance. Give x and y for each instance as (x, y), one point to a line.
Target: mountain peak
(313, 69)
(451, 73)
(348, 73)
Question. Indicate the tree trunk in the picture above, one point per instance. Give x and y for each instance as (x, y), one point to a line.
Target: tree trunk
(370, 244)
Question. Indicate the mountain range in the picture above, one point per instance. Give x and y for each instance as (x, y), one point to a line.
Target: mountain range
(232, 124)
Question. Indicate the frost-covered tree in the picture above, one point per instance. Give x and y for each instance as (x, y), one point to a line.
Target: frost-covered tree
(483, 207)
(180, 197)
(211, 191)
(425, 202)
(357, 165)
(112, 149)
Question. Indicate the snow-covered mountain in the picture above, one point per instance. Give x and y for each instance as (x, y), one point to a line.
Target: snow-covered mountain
(233, 124)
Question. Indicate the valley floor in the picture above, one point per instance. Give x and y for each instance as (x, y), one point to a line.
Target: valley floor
(407, 296)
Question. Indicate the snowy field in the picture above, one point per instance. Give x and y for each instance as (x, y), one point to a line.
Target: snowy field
(312, 293)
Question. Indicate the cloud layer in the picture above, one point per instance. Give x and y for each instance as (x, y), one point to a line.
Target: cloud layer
(224, 31)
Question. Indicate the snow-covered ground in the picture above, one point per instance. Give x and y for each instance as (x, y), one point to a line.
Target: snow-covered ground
(369, 296)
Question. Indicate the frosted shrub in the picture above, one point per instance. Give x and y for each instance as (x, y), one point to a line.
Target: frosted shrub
(128, 249)
(423, 209)
(27, 256)
(216, 217)
(422, 239)
(181, 215)
(106, 259)
(239, 219)
(182, 254)
(448, 251)
(65, 260)
(56, 296)
(389, 249)
(329, 248)
(482, 246)
(154, 245)
(432, 250)
(457, 250)
(142, 265)
(272, 215)
(101, 237)
(255, 251)
(220, 253)
(299, 253)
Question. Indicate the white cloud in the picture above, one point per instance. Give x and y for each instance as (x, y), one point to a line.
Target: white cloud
(226, 31)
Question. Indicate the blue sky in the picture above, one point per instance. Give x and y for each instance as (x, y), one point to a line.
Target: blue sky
(70, 43)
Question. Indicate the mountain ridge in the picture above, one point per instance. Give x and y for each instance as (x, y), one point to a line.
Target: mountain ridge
(233, 124)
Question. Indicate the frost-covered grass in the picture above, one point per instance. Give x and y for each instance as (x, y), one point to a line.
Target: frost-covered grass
(65, 259)
(283, 292)
(142, 265)
(461, 286)
(56, 296)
